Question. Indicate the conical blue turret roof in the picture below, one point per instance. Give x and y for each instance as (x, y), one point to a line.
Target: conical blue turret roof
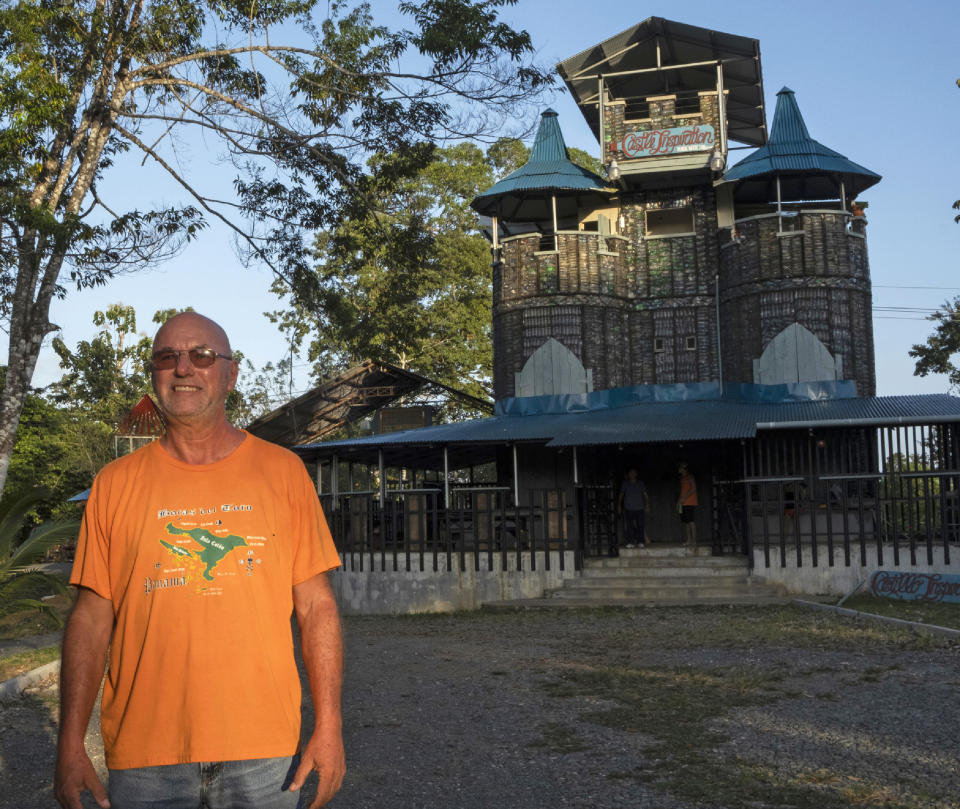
(525, 195)
(807, 169)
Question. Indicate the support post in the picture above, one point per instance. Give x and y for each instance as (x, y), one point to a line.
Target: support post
(334, 480)
(716, 292)
(779, 208)
(722, 110)
(576, 470)
(516, 477)
(600, 108)
(556, 239)
(383, 478)
(446, 478)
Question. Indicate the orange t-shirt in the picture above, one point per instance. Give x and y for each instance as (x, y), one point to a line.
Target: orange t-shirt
(688, 490)
(199, 562)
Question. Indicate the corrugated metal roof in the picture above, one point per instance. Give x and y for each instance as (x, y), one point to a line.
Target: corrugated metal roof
(548, 172)
(144, 419)
(625, 61)
(808, 170)
(650, 422)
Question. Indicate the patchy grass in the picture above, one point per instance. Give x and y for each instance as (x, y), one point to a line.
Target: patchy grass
(944, 614)
(679, 707)
(23, 662)
(24, 623)
(559, 738)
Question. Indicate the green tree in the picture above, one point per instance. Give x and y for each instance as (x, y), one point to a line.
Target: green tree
(956, 205)
(108, 375)
(296, 94)
(936, 356)
(410, 282)
(57, 450)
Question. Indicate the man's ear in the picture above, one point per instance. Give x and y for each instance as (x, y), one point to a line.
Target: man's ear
(234, 373)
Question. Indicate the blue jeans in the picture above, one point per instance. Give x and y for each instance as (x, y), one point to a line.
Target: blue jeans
(255, 784)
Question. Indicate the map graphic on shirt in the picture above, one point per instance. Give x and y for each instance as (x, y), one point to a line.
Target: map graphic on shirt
(212, 549)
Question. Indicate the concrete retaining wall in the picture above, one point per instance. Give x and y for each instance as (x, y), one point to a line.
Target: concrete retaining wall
(839, 579)
(378, 590)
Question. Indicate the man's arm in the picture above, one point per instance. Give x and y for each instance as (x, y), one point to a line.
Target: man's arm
(323, 655)
(85, 643)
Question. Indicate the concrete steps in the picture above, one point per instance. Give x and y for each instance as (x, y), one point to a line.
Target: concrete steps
(665, 575)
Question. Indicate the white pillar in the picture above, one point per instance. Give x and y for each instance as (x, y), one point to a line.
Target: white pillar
(576, 470)
(779, 208)
(516, 477)
(446, 479)
(556, 240)
(721, 110)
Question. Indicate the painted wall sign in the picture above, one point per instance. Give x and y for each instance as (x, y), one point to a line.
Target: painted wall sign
(934, 587)
(659, 142)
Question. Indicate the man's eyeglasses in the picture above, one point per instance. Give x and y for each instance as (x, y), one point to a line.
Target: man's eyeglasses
(199, 358)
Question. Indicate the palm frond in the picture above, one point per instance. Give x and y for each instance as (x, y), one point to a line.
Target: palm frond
(29, 584)
(41, 539)
(28, 603)
(12, 516)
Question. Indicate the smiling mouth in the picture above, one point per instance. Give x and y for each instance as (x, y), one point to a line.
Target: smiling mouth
(185, 387)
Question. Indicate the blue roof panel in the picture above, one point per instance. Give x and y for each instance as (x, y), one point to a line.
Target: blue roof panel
(652, 421)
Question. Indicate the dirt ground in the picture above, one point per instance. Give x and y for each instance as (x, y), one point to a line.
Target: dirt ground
(668, 708)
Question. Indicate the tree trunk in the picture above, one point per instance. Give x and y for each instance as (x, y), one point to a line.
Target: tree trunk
(25, 344)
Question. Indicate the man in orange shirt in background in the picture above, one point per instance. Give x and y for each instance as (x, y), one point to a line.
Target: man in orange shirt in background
(194, 552)
(687, 505)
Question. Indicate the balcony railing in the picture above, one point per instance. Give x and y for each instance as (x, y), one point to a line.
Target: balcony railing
(412, 529)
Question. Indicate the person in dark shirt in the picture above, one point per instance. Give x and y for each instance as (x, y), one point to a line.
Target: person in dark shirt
(633, 501)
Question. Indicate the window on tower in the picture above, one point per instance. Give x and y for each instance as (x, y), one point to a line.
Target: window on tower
(663, 222)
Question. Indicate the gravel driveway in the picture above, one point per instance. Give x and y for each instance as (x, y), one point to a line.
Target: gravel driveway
(667, 708)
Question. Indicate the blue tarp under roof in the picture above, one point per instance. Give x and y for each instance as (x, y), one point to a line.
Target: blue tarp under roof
(651, 414)
(526, 195)
(807, 169)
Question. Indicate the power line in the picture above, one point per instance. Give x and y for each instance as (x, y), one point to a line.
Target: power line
(900, 286)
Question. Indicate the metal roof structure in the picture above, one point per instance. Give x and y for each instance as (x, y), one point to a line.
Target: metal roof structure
(659, 56)
(526, 195)
(806, 169)
(346, 398)
(144, 419)
(713, 413)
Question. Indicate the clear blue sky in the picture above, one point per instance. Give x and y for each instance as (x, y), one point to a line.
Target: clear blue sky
(875, 81)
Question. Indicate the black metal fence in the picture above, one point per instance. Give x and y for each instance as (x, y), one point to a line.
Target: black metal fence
(833, 496)
(413, 529)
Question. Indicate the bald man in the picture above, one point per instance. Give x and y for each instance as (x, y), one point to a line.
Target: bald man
(193, 553)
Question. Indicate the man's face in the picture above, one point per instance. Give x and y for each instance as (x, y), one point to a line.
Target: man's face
(188, 394)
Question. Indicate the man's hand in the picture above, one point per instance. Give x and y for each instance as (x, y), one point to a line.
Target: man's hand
(85, 643)
(75, 773)
(322, 649)
(324, 755)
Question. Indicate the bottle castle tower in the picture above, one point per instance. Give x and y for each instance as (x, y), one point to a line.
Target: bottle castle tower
(674, 268)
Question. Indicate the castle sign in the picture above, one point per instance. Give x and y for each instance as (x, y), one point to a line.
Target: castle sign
(660, 142)
(906, 586)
